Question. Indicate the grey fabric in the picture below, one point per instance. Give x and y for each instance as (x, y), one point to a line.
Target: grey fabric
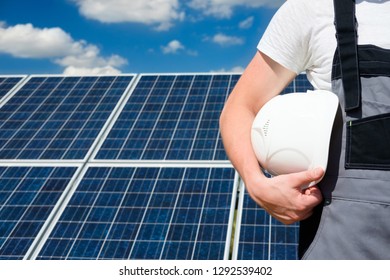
(355, 222)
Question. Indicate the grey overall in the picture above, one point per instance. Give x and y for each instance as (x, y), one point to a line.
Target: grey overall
(354, 220)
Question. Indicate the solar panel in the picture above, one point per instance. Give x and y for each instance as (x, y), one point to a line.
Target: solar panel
(58, 117)
(261, 237)
(153, 180)
(7, 83)
(170, 117)
(27, 196)
(146, 213)
(299, 84)
(283, 241)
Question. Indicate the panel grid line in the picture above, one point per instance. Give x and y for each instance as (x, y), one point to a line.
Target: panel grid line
(75, 110)
(7, 85)
(169, 111)
(159, 116)
(116, 215)
(218, 138)
(90, 116)
(30, 195)
(179, 118)
(154, 183)
(144, 214)
(157, 214)
(172, 217)
(26, 121)
(200, 118)
(58, 117)
(201, 213)
(135, 122)
(87, 215)
(45, 122)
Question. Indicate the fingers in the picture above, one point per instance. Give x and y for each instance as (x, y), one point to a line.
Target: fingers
(284, 197)
(307, 179)
(289, 218)
(312, 193)
(313, 190)
(311, 197)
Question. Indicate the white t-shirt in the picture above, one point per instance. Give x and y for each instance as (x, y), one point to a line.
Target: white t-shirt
(301, 35)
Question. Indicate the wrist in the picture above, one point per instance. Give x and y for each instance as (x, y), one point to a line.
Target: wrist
(254, 180)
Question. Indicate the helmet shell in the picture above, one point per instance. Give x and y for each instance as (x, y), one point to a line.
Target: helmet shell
(291, 132)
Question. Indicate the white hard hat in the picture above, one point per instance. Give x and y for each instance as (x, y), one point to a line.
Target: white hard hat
(291, 132)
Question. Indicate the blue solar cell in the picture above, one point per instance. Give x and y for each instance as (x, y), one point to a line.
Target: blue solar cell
(28, 194)
(254, 232)
(299, 84)
(208, 250)
(111, 216)
(284, 241)
(171, 117)
(7, 84)
(58, 117)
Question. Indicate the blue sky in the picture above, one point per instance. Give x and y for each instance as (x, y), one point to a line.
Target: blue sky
(130, 36)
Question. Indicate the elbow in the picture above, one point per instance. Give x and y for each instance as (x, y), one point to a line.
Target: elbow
(223, 119)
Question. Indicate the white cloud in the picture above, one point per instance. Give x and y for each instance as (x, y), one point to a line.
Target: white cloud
(238, 69)
(224, 8)
(159, 13)
(162, 14)
(79, 71)
(23, 40)
(176, 46)
(27, 41)
(192, 53)
(247, 23)
(173, 47)
(235, 69)
(225, 40)
(90, 57)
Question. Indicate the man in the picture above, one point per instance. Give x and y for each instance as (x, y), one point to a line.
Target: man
(354, 196)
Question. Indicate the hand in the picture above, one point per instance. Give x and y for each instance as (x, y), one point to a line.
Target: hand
(283, 198)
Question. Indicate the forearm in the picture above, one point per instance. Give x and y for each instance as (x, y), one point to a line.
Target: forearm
(262, 80)
(235, 124)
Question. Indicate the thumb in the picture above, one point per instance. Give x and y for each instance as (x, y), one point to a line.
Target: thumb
(315, 174)
(308, 178)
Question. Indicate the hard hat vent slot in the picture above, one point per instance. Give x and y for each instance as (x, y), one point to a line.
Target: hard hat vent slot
(266, 127)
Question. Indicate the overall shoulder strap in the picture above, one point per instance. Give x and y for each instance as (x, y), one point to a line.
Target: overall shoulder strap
(346, 34)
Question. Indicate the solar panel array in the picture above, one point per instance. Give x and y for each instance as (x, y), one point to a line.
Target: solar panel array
(125, 167)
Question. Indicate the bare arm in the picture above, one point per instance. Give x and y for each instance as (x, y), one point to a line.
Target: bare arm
(281, 196)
